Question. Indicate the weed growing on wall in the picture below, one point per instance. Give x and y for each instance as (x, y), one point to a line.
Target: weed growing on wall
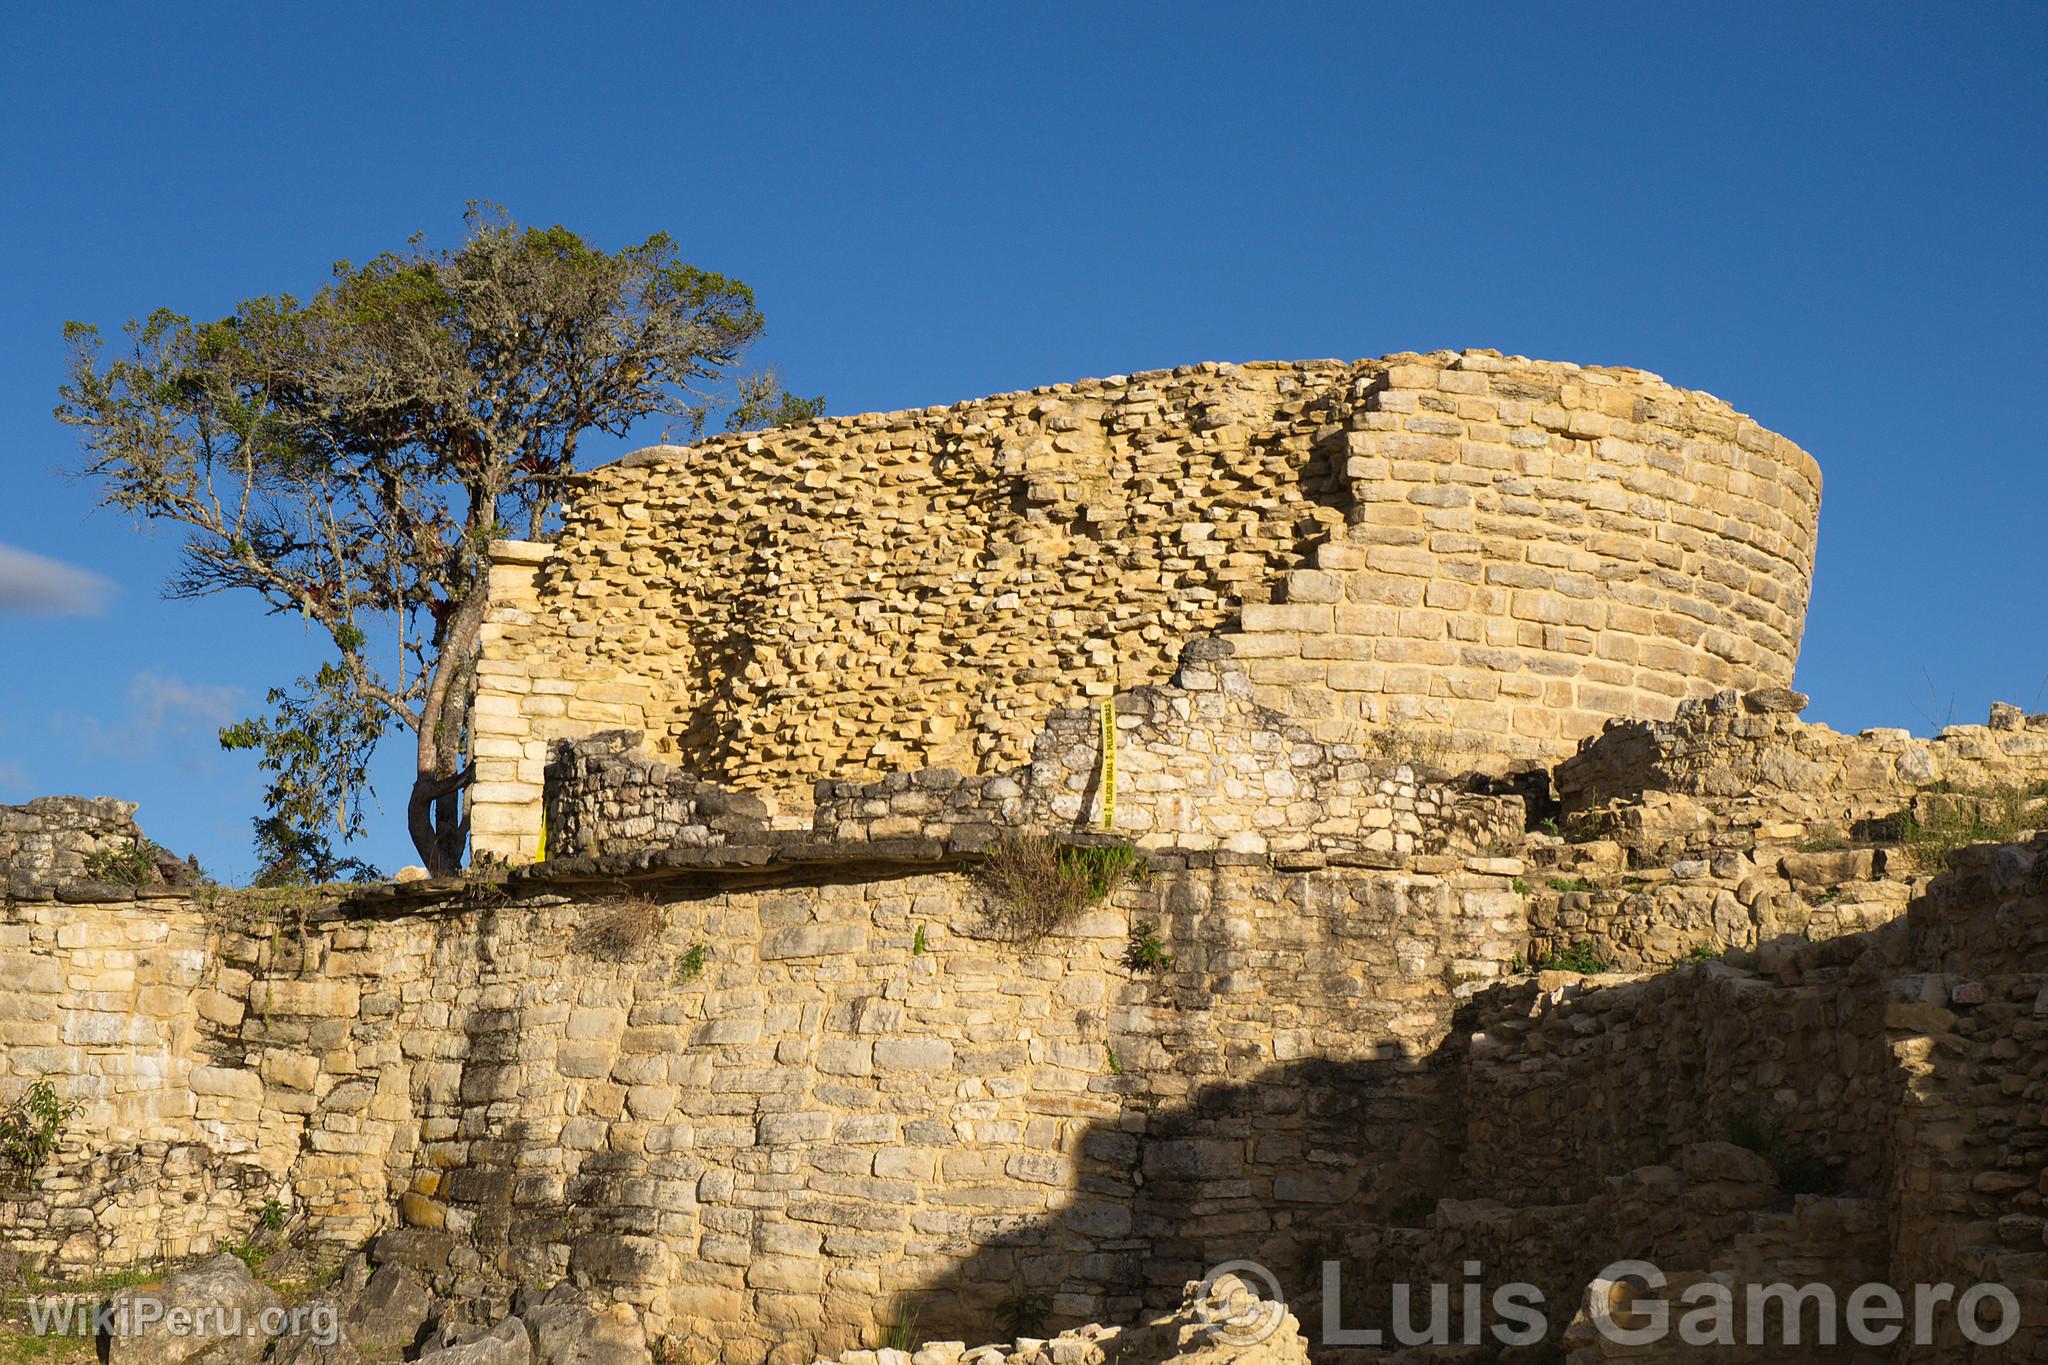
(1942, 823)
(1037, 883)
(132, 865)
(1412, 1210)
(32, 1126)
(1800, 1170)
(690, 963)
(900, 1332)
(1146, 951)
(1580, 958)
(1024, 1315)
(622, 929)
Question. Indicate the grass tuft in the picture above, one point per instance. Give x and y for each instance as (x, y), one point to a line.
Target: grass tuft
(622, 929)
(1581, 957)
(1037, 883)
(1942, 823)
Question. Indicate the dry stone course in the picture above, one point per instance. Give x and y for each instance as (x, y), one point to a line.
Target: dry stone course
(1494, 552)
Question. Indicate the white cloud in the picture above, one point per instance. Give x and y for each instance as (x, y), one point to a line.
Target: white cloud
(36, 585)
(162, 701)
(161, 707)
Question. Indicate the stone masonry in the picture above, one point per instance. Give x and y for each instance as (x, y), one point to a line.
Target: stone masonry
(774, 1089)
(1500, 552)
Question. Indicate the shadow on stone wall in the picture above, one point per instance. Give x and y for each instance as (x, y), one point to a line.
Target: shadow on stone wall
(1898, 1074)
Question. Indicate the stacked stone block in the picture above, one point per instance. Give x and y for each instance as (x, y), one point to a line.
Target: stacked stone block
(603, 795)
(1499, 552)
(118, 1001)
(1199, 765)
(48, 842)
(1536, 547)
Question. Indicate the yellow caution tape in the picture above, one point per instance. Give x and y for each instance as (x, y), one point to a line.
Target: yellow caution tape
(1108, 762)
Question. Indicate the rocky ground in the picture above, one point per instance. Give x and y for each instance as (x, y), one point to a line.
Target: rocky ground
(364, 1314)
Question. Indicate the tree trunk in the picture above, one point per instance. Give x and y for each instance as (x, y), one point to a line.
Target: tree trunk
(436, 835)
(434, 812)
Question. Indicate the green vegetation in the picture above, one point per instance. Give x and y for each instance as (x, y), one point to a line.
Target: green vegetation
(1037, 883)
(133, 865)
(1580, 957)
(1703, 952)
(1800, 1170)
(1116, 1068)
(1412, 745)
(1569, 884)
(250, 1254)
(32, 1126)
(1587, 826)
(690, 963)
(1412, 1210)
(347, 459)
(1521, 887)
(272, 1215)
(1147, 951)
(900, 1332)
(918, 946)
(1024, 1315)
(1941, 823)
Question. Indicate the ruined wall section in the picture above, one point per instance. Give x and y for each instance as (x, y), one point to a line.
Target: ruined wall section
(1501, 552)
(763, 1105)
(1200, 765)
(48, 841)
(126, 1002)
(1902, 1068)
(865, 594)
(1761, 765)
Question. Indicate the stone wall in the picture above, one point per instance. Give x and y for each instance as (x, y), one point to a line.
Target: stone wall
(128, 1002)
(1508, 550)
(762, 1112)
(1901, 1067)
(775, 1093)
(46, 843)
(1199, 765)
(1736, 823)
(1762, 765)
(603, 794)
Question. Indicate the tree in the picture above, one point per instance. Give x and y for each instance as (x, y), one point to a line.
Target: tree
(349, 459)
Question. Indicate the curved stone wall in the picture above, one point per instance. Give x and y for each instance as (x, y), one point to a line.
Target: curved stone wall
(1498, 553)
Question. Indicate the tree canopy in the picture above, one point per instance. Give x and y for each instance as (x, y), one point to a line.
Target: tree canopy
(348, 459)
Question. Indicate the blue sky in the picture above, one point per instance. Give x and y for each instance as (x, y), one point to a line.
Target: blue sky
(1830, 215)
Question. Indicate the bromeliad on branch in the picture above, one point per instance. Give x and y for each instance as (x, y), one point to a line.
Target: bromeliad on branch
(349, 459)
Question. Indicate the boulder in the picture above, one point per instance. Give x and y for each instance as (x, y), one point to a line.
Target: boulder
(211, 1314)
(567, 1331)
(505, 1344)
(1830, 868)
(1767, 700)
(392, 1311)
